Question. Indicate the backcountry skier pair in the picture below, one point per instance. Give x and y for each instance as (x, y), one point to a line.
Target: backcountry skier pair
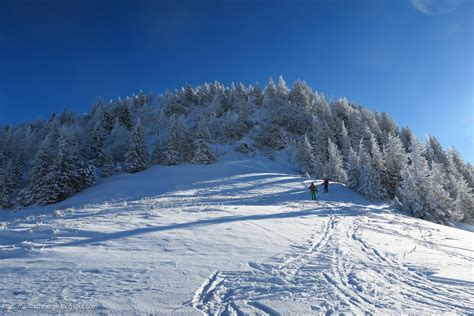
(314, 189)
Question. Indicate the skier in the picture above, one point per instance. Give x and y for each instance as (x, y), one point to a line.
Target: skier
(326, 185)
(313, 190)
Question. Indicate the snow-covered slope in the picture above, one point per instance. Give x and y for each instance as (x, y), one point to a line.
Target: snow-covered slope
(239, 236)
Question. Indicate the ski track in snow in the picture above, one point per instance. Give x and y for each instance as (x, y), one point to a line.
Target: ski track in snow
(351, 256)
(320, 270)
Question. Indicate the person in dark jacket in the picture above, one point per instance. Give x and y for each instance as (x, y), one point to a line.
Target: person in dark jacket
(313, 190)
(326, 185)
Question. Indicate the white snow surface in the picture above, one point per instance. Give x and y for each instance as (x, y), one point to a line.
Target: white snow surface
(234, 238)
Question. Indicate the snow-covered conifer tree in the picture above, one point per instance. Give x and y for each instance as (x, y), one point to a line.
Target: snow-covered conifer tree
(220, 103)
(387, 124)
(270, 97)
(464, 202)
(434, 152)
(378, 165)
(110, 167)
(415, 182)
(68, 174)
(300, 95)
(118, 141)
(171, 154)
(96, 151)
(157, 154)
(353, 170)
(334, 168)
(38, 174)
(282, 89)
(202, 154)
(136, 158)
(395, 162)
(189, 97)
(370, 181)
(122, 113)
(408, 138)
(438, 204)
(9, 182)
(305, 156)
(409, 194)
(255, 96)
(344, 142)
(465, 170)
(271, 136)
(318, 139)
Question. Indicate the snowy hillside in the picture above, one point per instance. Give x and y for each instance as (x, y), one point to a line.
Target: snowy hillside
(46, 162)
(236, 237)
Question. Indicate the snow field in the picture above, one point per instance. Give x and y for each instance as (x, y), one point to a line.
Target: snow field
(236, 237)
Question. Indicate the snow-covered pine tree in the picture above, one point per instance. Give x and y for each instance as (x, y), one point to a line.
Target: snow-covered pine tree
(282, 89)
(141, 100)
(220, 104)
(409, 193)
(458, 188)
(434, 152)
(370, 182)
(136, 158)
(396, 161)
(245, 110)
(255, 95)
(9, 182)
(379, 179)
(238, 95)
(96, 152)
(109, 168)
(171, 154)
(204, 95)
(171, 105)
(305, 156)
(318, 139)
(202, 154)
(387, 124)
(353, 125)
(271, 136)
(464, 202)
(334, 168)
(344, 142)
(157, 154)
(68, 174)
(464, 169)
(118, 141)
(270, 97)
(300, 95)
(353, 170)
(189, 96)
(40, 169)
(408, 138)
(438, 204)
(122, 114)
(294, 116)
(414, 184)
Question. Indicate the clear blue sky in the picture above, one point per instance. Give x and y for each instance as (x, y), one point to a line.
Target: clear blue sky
(410, 58)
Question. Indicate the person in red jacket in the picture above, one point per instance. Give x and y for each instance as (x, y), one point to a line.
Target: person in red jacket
(313, 190)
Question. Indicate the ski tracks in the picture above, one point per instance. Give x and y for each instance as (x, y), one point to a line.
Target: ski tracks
(280, 277)
(335, 271)
(417, 290)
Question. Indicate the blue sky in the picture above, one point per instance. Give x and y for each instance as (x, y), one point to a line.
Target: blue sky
(410, 58)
